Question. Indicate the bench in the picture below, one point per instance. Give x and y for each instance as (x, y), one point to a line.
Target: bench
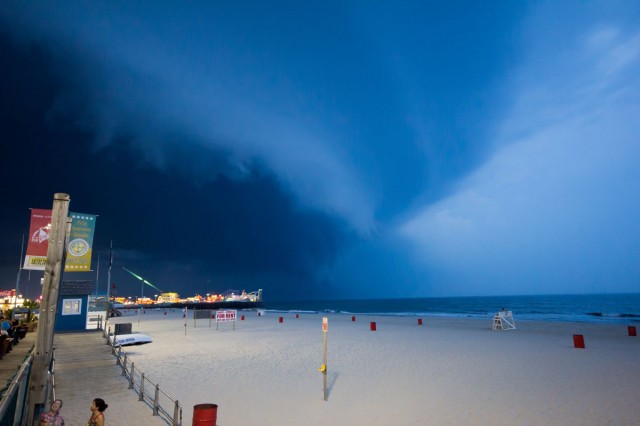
(14, 332)
(6, 343)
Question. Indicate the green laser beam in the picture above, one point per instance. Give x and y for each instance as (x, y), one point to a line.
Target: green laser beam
(141, 279)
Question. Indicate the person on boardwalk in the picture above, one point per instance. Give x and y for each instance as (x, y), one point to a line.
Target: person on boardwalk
(52, 417)
(97, 416)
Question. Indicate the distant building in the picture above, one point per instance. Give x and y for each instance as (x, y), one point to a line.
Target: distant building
(168, 298)
(9, 300)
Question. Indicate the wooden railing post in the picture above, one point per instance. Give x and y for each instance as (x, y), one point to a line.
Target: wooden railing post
(156, 399)
(124, 365)
(176, 412)
(131, 376)
(141, 387)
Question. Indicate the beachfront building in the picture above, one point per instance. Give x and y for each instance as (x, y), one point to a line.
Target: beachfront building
(168, 298)
(73, 305)
(9, 300)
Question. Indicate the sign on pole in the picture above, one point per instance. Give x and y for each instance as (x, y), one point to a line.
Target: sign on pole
(323, 369)
(226, 316)
(79, 247)
(38, 244)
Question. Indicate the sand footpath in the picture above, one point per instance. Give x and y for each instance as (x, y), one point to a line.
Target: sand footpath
(445, 372)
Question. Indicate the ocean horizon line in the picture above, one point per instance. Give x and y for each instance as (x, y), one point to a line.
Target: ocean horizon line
(592, 308)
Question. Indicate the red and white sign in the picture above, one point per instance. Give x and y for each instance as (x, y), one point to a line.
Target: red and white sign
(325, 324)
(39, 230)
(226, 316)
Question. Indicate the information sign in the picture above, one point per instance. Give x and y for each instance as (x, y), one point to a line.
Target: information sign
(226, 316)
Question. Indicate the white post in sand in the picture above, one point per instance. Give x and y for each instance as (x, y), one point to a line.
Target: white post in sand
(323, 369)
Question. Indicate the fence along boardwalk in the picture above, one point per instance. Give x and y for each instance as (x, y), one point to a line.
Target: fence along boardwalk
(12, 361)
(86, 369)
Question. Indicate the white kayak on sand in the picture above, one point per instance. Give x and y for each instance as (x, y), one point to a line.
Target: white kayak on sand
(131, 339)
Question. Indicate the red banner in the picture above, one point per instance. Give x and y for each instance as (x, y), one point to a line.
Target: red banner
(39, 230)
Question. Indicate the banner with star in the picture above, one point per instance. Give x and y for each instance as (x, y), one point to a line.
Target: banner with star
(80, 244)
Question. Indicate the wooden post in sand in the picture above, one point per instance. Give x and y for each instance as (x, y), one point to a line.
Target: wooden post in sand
(42, 354)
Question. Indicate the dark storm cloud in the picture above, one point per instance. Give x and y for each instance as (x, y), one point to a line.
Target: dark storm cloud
(221, 230)
(345, 148)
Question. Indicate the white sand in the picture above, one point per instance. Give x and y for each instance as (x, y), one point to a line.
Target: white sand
(445, 372)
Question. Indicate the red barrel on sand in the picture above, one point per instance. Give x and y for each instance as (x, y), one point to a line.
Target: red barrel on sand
(578, 341)
(205, 415)
(372, 326)
(632, 330)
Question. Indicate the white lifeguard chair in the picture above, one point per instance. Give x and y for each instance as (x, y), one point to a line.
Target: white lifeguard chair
(504, 321)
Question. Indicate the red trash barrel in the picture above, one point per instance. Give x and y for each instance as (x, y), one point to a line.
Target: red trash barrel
(578, 341)
(353, 318)
(373, 326)
(632, 330)
(205, 415)
(280, 319)
(419, 321)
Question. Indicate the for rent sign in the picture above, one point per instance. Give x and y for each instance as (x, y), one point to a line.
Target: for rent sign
(226, 316)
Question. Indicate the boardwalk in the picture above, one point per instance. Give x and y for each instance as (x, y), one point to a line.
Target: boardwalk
(11, 363)
(86, 369)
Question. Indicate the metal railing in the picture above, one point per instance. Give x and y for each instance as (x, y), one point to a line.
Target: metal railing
(147, 391)
(94, 321)
(13, 410)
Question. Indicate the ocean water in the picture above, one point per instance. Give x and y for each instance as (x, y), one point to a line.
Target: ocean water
(593, 308)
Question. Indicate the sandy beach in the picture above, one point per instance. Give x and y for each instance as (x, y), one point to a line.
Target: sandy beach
(447, 371)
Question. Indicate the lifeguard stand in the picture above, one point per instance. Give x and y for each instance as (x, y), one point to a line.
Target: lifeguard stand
(504, 321)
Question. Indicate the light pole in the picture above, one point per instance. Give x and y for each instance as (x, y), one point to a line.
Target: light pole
(109, 291)
(141, 297)
(15, 296)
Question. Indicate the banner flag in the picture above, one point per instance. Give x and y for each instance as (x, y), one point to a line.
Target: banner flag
(36, 256)
(80, 245)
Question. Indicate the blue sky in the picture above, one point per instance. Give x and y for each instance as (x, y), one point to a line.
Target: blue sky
(343, 149)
